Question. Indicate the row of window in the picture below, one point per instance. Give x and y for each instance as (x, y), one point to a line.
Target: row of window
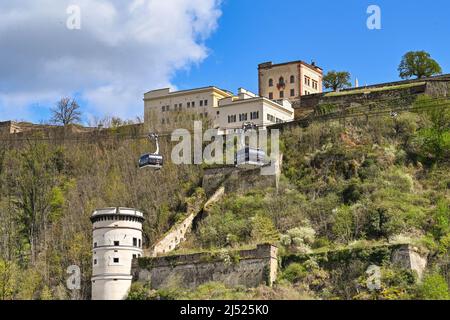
(116, 260)
(292, 93)
(195, 116)
(243, 116)
(136, 243)
(281, 81)
(311, 83)
(179, 106)
(308, 81)
(272, 118)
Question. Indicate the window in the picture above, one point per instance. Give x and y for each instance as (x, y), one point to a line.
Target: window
(270, 82)
(116, 260)
(134, 242)
(270, 117)
(134, 256)
(201, 103)
(95, 261)
(243, 117)
(116, 243)
(307, 81)
(140, 243)
(270, 95)
(281, 94)
(163, 121)
(254, 115)
(218, 112)
(232, 118)
(163, 108)
(281, 81)
(292, 79)
(206, 103)
(95, 244)
(175, 106)
(167, 108)
(188, 104)
(193, 104)
(306, 92)
(315, 84)
(292, 92)
(180, 105)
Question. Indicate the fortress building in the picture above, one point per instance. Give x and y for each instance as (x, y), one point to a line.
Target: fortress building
(289, 80)
(117, 239)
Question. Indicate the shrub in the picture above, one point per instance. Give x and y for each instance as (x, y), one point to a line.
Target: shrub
(294, 272)
(433, 287)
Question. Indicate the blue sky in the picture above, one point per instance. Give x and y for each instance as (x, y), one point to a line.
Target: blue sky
(333, 33)
(127, 48)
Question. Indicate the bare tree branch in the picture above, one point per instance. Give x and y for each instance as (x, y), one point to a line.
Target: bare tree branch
(66, 112)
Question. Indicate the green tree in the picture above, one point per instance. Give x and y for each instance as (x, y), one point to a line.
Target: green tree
(418, 64)
(337, 80)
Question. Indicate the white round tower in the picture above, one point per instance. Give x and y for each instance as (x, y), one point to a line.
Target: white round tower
(117, 239)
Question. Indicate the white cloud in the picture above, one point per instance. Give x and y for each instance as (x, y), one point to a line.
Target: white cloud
(123, 49)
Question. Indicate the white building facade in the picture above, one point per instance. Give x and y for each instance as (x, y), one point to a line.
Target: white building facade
(117, 239)
(166, 110)
(249, 107)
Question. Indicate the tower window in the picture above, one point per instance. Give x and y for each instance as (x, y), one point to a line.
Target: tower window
(201, 103)
(95, 261)
(140, 243)
(134, 256)
(270, 82)
(134, 242)
(95, 244)
(116, 260)
(116, 243)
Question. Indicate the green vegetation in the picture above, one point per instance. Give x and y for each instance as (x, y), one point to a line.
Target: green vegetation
(347, 187)
(357, 184)
(48, 192)
(337, 80)
(433, 287)
(375, 89)
(418, 64)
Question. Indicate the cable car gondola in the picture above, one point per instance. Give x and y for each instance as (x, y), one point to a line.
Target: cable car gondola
(152, 160)
(247, 157)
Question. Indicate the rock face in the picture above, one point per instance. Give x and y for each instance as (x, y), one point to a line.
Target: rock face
(248, 268)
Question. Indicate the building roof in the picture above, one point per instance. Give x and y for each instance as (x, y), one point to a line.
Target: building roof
(180, 92)
(264, 99)
(268, 65)
(117, 211)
